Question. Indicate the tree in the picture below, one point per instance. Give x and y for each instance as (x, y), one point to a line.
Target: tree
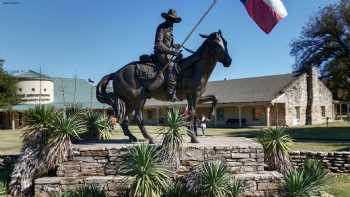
(325, 43)
(7, 89)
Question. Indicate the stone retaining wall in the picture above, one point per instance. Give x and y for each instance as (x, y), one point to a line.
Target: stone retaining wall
(336, 162)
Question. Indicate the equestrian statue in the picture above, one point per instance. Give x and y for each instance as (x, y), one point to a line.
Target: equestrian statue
(165, 76)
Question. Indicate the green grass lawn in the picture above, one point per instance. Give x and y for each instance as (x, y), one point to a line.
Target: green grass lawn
(314, 138)
(336, 137)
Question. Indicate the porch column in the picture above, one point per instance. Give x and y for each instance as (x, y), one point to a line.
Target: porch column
(13, 126)
(340, 109)
(268, 109)
(157, 115)
(215, 116)
(240, 116)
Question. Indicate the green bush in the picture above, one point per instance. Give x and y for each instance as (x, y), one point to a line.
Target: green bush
(212, 179)
(99, 126)
(85, 191)
(305, 181)
(46, 142)
(150, 178)
(276, 143)
(173, 137)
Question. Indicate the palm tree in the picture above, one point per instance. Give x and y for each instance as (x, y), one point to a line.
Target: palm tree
(99, 126)
(276, 143)
(150, 178)
(46, 142)
(173, 137)
(305, 181)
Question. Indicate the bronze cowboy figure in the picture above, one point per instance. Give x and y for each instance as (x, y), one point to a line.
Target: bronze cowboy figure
(165, 50)
(140, 80)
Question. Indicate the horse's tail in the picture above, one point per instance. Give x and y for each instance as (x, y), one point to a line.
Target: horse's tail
(112, 99)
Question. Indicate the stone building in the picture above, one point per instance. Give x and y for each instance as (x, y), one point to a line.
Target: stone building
(260, 101)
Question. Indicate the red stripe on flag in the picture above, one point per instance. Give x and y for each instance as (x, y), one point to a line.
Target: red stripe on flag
(262, 14)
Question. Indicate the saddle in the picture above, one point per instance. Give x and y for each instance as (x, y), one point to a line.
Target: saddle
(146, 68)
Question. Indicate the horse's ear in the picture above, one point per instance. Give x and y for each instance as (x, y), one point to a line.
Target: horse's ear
(203, 35)
(220, 32)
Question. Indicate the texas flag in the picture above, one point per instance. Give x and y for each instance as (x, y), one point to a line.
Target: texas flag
(265, 13)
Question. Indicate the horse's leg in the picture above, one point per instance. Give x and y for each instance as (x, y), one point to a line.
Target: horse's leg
(192, 110)
(139, 121)
(213, 99)
(126, 131)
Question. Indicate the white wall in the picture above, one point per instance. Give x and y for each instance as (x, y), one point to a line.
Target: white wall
(29, 91)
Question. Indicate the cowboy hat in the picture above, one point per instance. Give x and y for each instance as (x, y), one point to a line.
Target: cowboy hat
(171, 15)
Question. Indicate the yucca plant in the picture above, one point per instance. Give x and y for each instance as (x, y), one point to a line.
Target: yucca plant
(3, 188)
(62, 130)
(178, 189)
(150, 178)
(85, 191)
(47, 142)
(215, 179)
(212, 179)
(173, 136)
(276, 143)
(30, 164)
(73, 109)
(99, 126)
(305, 181)
(235, 188)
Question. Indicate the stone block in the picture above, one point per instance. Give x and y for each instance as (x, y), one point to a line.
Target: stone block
(239, 155)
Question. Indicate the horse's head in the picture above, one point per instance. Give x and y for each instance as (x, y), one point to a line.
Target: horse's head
(217, 46)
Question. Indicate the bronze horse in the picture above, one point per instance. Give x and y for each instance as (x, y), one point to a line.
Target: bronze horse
(130, 93)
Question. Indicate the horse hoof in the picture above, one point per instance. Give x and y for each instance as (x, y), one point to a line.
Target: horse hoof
(132, 139)
(194, 140)
(151, 141)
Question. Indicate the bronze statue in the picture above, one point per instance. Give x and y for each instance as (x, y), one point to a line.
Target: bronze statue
(137, 81)
(165, 49)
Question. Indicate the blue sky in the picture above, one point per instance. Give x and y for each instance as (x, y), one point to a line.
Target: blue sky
(94, 37)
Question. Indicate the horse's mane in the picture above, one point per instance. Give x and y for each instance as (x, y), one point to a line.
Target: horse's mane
(185, 62)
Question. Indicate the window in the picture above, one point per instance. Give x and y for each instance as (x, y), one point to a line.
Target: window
(44, 89)
(220, 114)
(33, 89)
(323, 111)
(256, 114)
(297, 113)
(20, 89)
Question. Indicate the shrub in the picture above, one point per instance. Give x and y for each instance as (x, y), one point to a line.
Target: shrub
(212, 179)
(85, 191)
(99, 126)
(305, 181)
(173, 137)
(46, 142)
(276, 143)
(150, 177)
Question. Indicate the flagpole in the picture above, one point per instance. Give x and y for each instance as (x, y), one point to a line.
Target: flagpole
(199, 22)
(193, 29)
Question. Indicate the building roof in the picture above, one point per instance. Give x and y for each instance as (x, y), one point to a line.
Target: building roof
(30, 74)
(246, 90)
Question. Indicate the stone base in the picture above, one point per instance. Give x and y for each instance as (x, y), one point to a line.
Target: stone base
(100, 163)
(256, 185)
